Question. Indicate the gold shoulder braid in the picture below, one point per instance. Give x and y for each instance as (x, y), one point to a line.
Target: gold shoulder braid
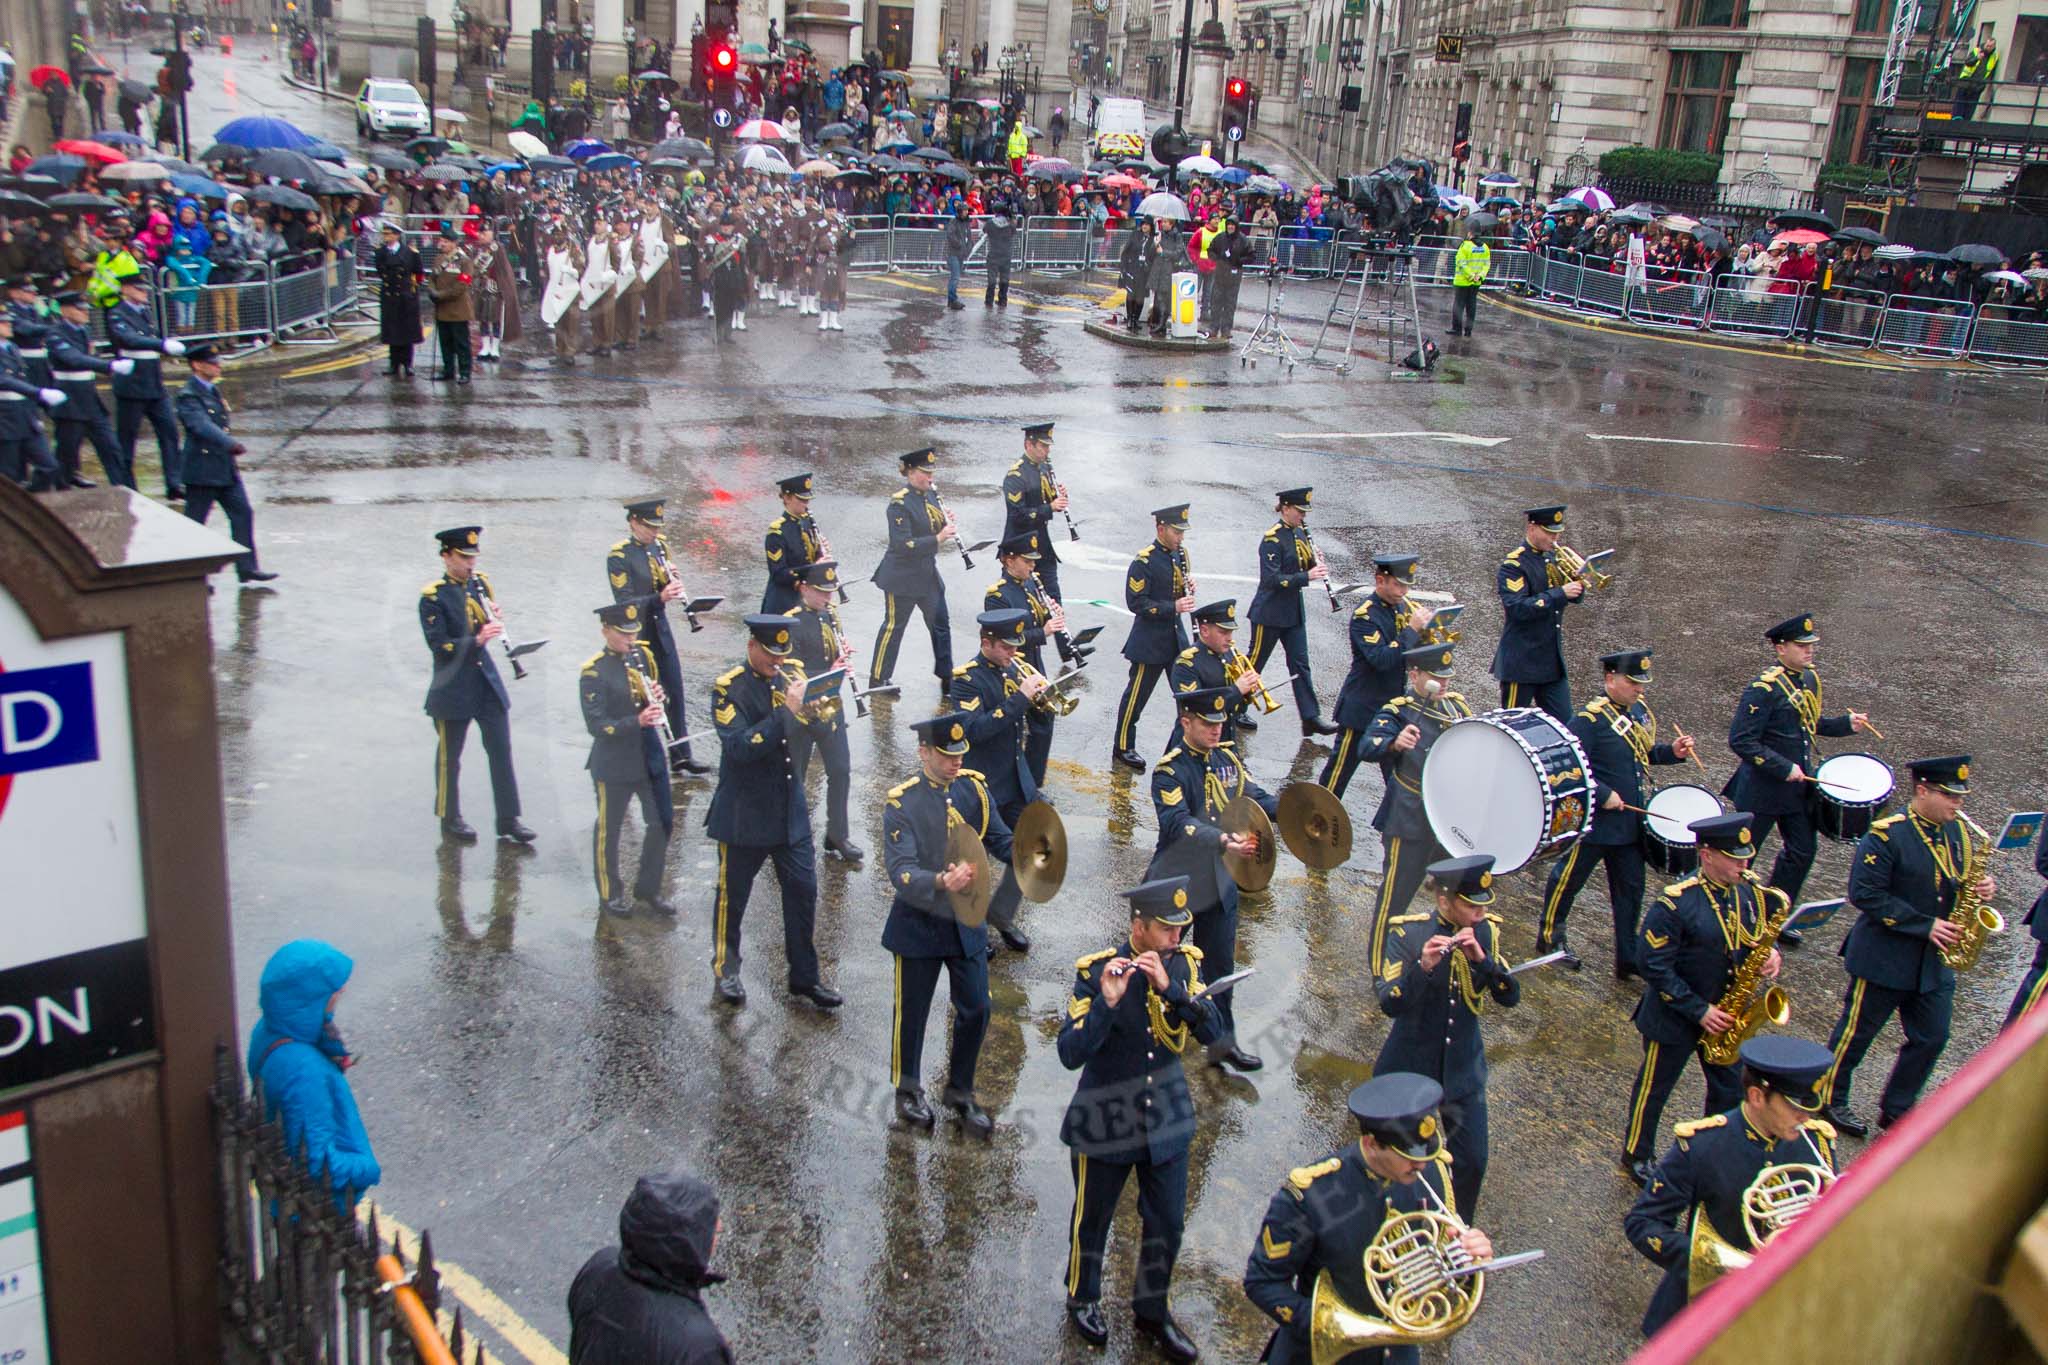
(1804, 700)
(1173, 1037)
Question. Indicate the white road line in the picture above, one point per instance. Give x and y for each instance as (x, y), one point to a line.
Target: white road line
(1676, 441)
(1456, 438)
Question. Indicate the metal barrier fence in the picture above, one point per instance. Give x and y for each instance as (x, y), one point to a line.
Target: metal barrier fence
(2008, 335)
(1925, 326)
(1850, 318)
(1736, 310)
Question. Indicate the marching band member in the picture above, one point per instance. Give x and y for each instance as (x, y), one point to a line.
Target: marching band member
(1205, 663)
(1031, 498)
(1157, 589)
(626, 763)
(997, 702)
(639, 570)
(626, 289)
(1383, 629)
(560, 305)
(791, 544)
(1530, 661)
(595, 292)
(919, 527)
(459, 627)
(1287, 564)
(81, 417)
(1014, 591)
(821, 647)
(654, 268)
(139, 395)
(2029, 993)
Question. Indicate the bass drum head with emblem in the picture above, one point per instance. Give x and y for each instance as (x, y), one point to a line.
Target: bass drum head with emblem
(1851, 791)
(1513, 784)
(1669, 845)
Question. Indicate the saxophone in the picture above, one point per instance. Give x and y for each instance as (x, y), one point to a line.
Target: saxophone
(1752, 1008)
(1970, 914)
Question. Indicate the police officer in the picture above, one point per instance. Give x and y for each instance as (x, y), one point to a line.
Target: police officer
(1383, 629)
(1772, 734)
(465, 688)
(1194, 781)
(1717, 1158)
(1693, 937)
(2030, 991)
(1203, 664)
(1157, 589)
(640, 570)
(1325, 1215)
(211, 474)
(24, 451)
(1903, 883)
(80, 416)
(1530, 661)
(791, 544)
(1619, 735)
(909, 574)
(924, 931)
(1448, 963)
(626, 761)
(1400, 736)
(1030, 500)
(758, 815)
(139, 395)
(820, 648)
(1015, 591)
(1287, 564)
(998, 702)
(1133, 1011)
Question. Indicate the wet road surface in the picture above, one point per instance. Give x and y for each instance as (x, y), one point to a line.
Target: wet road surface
(522, 1062)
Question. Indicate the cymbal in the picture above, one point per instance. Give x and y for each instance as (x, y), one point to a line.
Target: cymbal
(1038, 852)
(1244, 816)
(1315, 825)
(963, 845)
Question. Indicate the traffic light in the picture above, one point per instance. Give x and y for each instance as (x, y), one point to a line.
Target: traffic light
(1237, 108)
(722, 67)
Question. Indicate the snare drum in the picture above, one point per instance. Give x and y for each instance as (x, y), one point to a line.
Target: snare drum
(1513, 784)
(1853, 790)
(1668, 843)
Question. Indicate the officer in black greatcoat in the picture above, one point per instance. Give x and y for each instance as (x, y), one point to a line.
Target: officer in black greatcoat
(626, 761)
(1383, 629)
(1158, 588)
(399, 273)
(1530, 660)
(460, 628)
(211, 473)
(139, 395)
(919, 527)
(1287, 564)
(791, 544)
(81, 416)
(639, 570)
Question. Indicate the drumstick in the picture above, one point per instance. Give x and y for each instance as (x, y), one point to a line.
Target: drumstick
(1831, 786)
(1695, 754)
(1872, 728)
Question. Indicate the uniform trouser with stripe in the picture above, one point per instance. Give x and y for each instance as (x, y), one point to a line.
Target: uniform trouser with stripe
(1008, 896)
(27, 460)
(1554, 697)
(796, 874)
(1038, 743)
(1214, 933)
(1662, 1063)
(1625, 878)
(1465, 1134)
(494, 727)
(105, 444)
(1866, 1009)
(1342, 764)
(1162, 1215)
(896, 611)
(1137, 691)
(1293, 640)
(2030, 992)
(830, 742)
(233, 500)
(131, 413)
(1797, 851)
(1408, 863)
(917, 978)
(612, 800)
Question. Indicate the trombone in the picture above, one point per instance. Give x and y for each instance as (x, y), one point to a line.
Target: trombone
(815, 712)
(1566, 564)
(1054, 700)
(1235, 666)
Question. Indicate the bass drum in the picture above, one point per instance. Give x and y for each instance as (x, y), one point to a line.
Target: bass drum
(1851, 791)
(1668, 843)
(1513, 784)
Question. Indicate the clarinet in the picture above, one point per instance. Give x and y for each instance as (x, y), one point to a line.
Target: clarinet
(490, 606)
(1035, 587)
(657, 550)
(1328, 586)
(1187, 582)
(650, 695)
(933, 492)
(1073, 531)
(825, 552)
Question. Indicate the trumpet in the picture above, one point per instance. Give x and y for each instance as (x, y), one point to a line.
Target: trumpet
(1054, 700)
(1235, 666)
(1317, 550)
(1566, 564)
(818, 712)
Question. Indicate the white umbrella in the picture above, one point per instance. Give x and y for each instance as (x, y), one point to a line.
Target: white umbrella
(2008, 277)
(767, 160)
(1200, 165)
(1896, 251)
(1163, 205)
(134, 170)
(1595, 198)
(2037, 273)
(451, 115)
(759, 130)
(526, 144)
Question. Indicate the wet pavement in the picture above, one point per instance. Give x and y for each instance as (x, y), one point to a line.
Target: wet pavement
(522, 1062)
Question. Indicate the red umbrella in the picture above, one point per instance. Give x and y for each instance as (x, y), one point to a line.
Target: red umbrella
(1121, 182)
(90, 150)
(1800, 237)
(43, 75)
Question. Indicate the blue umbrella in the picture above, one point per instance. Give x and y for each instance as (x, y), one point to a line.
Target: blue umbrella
(263, 132)
(582, 147)
(895, 144)
(324, 151)
(1500, 201)
(115, 137)
(610, 161)
(199, 185)
(59, 166)
(505, 166)
(1233, 175)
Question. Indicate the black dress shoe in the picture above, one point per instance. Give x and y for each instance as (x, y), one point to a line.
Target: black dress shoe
(1246, 723)
(1640, 1169)
(1318, 726)
(1015, 937)
(657, 905)
(824, 997)
(845, 851)
(729, 990)
(1174, 1344)
(1237, 1059)
(462, 378)
(616, 908)
(1845, 1121)
(974, 1120)
(457, 830)
(1087, 1320)
(1791, 938)
(260, 576)
(1885, 1121)
(1129, 758)
(693, 767)
(1626, 971)
(911, 1108)
(80, 481)
(174, 494)
(515, 831)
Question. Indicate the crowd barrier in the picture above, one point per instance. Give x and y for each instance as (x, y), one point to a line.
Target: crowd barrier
(251, 306)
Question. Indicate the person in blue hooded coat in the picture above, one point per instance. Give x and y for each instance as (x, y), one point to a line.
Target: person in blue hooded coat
(296, 1053)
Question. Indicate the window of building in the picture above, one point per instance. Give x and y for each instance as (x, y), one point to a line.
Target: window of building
(1713, 13)
(1874, 16)
(1852, 109)
(1697, 99)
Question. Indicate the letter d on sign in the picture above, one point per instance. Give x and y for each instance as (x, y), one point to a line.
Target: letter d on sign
(46, 718)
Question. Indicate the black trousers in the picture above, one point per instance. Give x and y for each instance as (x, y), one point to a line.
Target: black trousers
(1162, 1216)
(796, 872)
(1408, 863)
(612, 800)
(1554, 697)
(131, 413)
(1866, 1009)
(455, 356)
(1162, 307)
(105, 444)
(1137, 691)
(1797, 851)
(1466, 1136)
(494, 727)
(1464, 305)
(2029, 993)
(917, 978)
(27, 460)
(998, 289)
(401, 357)
(1625, 878)
(233, 500)
(1662, 1062)
(1134, 306)
(1342, 764)
(1048, 569)
(896, 621)
(838, 772)
(1038, 730)
(1004, 901)
(1294, 640)
(1214, 932)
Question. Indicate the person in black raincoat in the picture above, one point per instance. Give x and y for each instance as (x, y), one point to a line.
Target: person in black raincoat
(1134, 267)
(398, 275)
(1230, 250)
(642, 1301)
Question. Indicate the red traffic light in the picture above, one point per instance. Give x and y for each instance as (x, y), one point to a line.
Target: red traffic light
(722, 58)
(1236, 89)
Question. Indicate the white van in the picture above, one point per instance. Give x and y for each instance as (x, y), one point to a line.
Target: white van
(1120, 129)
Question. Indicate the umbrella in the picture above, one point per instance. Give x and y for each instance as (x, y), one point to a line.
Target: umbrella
(1500, 180)
(284, 165)
(199, 185)
(1499, 201)
(1894, 251)
(2008, 277)
(1163, 206)
(1053, 170)
(1721, 221)
(43, 75)
(987, 103)
(1976, 253)
(816, 167)
(1263, 184)
(672, 164)
(1678, 222)
(1255, 167)
(14, 204)
(585, 146)
(610, 161)
(441, 170)
(753, 49)
(895, 144)
(1795, 218)
(1569, 205)
(896, 76)
(325, 151)
(119, 137)
(1137, 165)
(953, 170)
(446, 115)
(2036, 273)
(889, 165)
(1233, 175)
(338, 182)
(142, 92)
(283, 196)
(855, 173)
(766, 160)
(1711, 239)
(1632, 215)
(1800, 237)
(931, 154)
(654, 76)
(235, 151)
(526, 144)
(262, 132)
(95, 70)
(1866, 235)
(796, 45)
(384, 158)
(1200, 165)
(33, 184)
(1593, 197)
(902, 116)
(759, 130)
(134, 170)
(426, 144)
(1651, 207)
(832, 130)
(1483, 222)
(1120, 181)
(512, 166)
(551, 163)
(59, 167)
(83, 203)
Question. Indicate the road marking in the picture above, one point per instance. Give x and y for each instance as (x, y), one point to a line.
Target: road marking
(340, 362)
(1456, 438)
(902, 283)
(1590, 326)
(515, 1332)
(1677, 441)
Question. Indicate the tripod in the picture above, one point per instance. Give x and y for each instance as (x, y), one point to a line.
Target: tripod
(1270, 336)
(1384, 298)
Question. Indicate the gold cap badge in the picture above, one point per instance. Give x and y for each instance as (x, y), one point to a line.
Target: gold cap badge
(632, 612)
(1743, 836)
(781, 637)
(1180, 899)
(661, 509)
(1427, 1128)
(1807, 624)
(1485, 879)
(958, 732)
(472, 537)
(1963, 771)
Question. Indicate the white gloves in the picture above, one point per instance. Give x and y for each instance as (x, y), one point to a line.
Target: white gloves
(124, 367)
(174, 347)
(52, 397)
